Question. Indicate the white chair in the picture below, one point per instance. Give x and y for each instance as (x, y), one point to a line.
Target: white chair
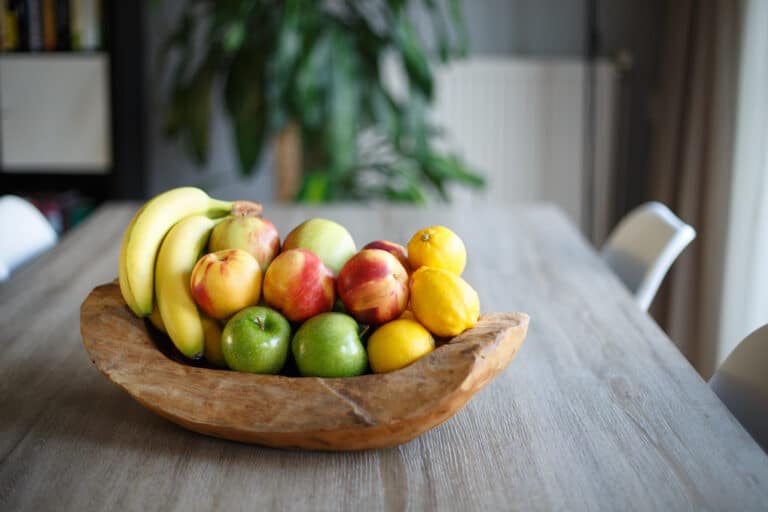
(643, 246)
(24, 233)
(741, 382)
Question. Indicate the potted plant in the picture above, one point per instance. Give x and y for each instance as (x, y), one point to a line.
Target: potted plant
(309, 74)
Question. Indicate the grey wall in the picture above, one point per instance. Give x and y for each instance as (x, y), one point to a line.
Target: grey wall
(169, 165)
(541, 28)
(532, 28)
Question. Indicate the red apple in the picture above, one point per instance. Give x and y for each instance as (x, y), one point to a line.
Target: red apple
(396, 250)
(255, 235)
(299, 285)
(225, 282)
(373, 286)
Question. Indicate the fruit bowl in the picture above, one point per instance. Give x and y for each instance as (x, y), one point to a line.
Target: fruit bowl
(370, 411)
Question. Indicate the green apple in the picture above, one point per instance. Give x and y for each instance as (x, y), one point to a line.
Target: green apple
(328, 345)
(256, 340)
(330, 241)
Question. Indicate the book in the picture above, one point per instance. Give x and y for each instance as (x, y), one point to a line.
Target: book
(85, 20)
(49, 24)
(17, 16)
(63, 30)
(2, 24)
(34, 28)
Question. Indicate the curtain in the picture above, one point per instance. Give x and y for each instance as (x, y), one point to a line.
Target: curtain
(745, 290)
(690, 165)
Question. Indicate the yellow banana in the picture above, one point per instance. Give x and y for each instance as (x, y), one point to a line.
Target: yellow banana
(178, 254)
(142, 240)
(157, 320)
(122, 272)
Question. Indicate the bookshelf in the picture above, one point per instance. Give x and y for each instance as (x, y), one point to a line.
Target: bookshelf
(72, 122)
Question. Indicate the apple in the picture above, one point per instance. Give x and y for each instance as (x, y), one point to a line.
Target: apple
(255, 235)
(396, 250)
(373, 286)
(330, 241)
(298, 284)
(328, 345)
(224, 282)
(256, 340)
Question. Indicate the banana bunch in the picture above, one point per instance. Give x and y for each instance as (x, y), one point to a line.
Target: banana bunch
(159, 249)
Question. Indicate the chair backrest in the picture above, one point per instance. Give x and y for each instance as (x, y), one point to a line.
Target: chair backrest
(24, 233)
(643, 246)
(741, 382)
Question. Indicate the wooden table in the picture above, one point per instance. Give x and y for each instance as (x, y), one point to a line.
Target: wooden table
(598, 411)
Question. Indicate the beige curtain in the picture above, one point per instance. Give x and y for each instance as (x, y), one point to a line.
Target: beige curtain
(692, 148)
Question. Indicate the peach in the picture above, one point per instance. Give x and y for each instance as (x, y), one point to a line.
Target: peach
(299, 285)
(224, 282)
(373, 285)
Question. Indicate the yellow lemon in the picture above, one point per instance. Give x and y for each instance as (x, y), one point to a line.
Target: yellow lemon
(438, 247)
(443, 302)
(397, 344)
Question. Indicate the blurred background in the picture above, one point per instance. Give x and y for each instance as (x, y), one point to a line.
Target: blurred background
(595, 105)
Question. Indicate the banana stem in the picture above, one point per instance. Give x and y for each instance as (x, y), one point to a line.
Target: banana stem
(219, 207)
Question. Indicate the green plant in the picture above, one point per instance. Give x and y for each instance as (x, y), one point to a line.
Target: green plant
(319, 64)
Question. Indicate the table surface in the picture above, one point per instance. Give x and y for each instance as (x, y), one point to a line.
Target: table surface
(598, 411)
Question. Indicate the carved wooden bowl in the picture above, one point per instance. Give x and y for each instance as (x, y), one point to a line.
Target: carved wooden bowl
(370, 411)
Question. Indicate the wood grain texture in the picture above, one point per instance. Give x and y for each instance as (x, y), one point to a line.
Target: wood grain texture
(599, 410)
(371, 411)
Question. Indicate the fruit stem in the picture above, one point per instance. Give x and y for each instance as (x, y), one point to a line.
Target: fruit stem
(259, 322)
(425, 237)
(246, 209)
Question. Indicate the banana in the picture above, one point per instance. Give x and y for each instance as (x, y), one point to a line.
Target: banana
(177, 256)
(157, 320)
(122, 271)
(143, 238)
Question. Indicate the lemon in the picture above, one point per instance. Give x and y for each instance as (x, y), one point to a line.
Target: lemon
(397, 344)
(437, 247)
(443, 302)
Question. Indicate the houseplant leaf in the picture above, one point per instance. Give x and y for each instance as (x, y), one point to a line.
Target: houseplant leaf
(198, 110)
(244, 102)
(320, 65)
(281, 66)
(343, 107)
(412, 52)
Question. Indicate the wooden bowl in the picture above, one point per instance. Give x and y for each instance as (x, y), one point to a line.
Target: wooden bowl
(370, 411)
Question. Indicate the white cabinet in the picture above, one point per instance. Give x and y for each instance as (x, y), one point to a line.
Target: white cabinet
(54, 113)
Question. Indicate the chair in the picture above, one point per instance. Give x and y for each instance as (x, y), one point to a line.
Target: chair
(741, 382)
(643, 246)
(24, 233)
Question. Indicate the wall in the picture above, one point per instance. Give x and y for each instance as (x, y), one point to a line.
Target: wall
(521, 121)
(168, 163)
(541, 29)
